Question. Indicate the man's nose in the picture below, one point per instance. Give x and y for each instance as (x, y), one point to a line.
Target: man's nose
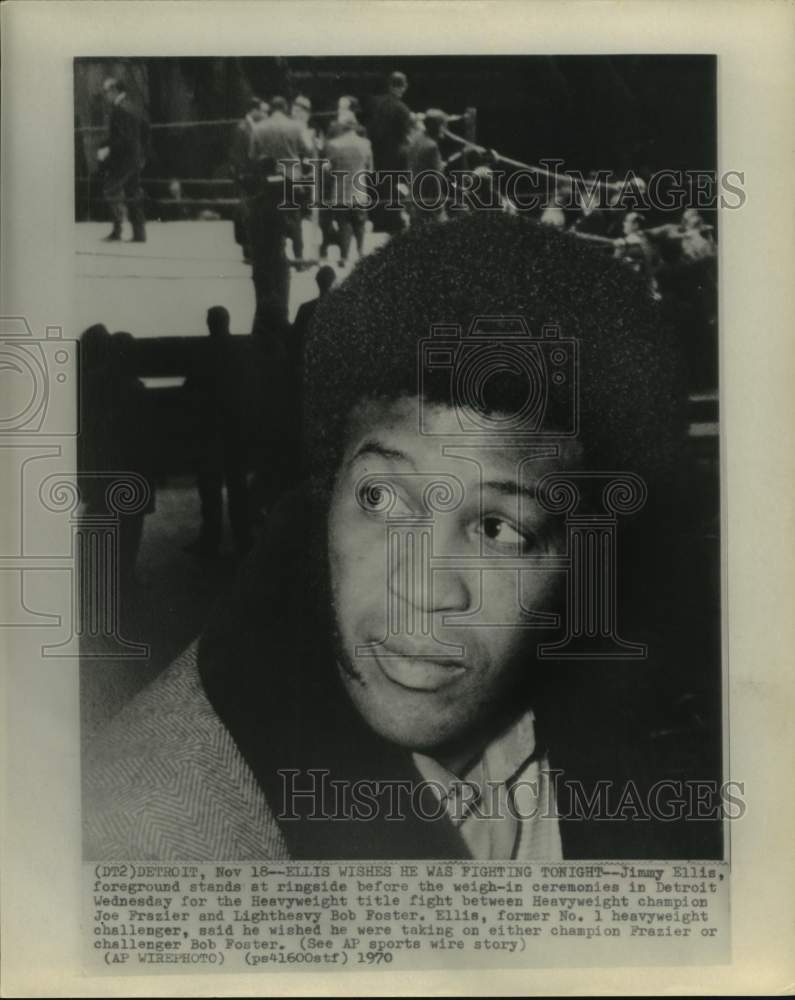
(412, 577)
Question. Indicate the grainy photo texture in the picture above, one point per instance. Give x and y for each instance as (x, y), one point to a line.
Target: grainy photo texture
(398, 465)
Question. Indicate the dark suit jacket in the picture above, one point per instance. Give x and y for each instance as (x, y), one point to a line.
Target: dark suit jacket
(128, 134)
(389, 127)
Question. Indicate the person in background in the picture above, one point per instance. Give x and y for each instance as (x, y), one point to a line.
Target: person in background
(217, 404)
(242, 168)
(423, 155)
(390, 125)
(635, 247)
(325, 279)
(122, 157)
(283, 140)
(591, 219)
(349, 156)
(552, 214)
(270, 270)
(301, 112)
(698, 243)
(347, 104)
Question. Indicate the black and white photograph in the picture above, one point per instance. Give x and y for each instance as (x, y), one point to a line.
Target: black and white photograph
(409, 367)
(395, 426)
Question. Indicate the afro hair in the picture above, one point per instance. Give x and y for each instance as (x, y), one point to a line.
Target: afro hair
(366, 337)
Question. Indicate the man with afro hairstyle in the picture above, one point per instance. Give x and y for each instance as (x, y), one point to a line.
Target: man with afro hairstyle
(389, 679)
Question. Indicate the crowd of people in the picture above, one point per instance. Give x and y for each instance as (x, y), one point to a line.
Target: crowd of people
(392, 139)
(277, 142)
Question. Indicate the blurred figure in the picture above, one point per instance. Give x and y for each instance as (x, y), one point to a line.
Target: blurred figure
(423, 151)
(214, 396)
(390, 125)
(177, 209)
(283, 140)
(241, 151)
(349, 155)
(591, 219)
(267, 228)
(242, 168)
(423, 154)
(122, 157)
(553, 214)
(636, 250)
(301, 112)
(281, 461)
(325, 278)
(698, 243)
(345, 105)
(278, 137)
(95, 440)
(634, 247)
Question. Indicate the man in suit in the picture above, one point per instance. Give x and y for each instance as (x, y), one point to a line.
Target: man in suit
(286, 141)
(324, 279)
(424, 155)
(243, 170)
(215, 395)
(350, 158)
(375, 688)
(123, 156)
(389, 126)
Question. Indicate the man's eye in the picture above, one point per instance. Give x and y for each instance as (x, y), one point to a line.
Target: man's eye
(502, 535)
(381, 498)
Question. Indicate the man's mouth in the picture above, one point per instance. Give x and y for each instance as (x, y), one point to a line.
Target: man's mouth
(418, 673)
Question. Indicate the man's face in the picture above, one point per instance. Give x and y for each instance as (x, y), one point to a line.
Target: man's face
(438, 682)
(110, 94)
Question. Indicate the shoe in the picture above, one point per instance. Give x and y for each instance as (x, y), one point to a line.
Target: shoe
(138, 237)
(114, 236)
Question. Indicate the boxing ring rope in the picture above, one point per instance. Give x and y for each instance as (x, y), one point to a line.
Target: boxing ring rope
(699, 429)
(153, 126)
(466, 145)
(563, 179)
(468, 117)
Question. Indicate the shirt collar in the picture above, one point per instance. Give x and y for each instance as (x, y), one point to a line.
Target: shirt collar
(502, 760)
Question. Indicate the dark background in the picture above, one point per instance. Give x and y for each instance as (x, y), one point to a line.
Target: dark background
(618, 113)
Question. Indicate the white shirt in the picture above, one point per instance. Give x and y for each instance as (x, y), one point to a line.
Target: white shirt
(504, 805)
